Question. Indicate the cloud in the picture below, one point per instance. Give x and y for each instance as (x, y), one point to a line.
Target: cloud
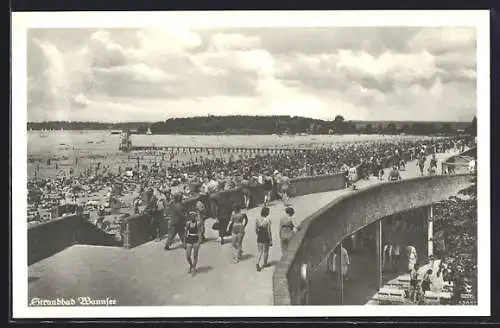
(442, 40)
(152, 74)
(233, 41)
(79, 101)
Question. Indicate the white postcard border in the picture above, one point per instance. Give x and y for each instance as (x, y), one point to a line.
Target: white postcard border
(22, 21)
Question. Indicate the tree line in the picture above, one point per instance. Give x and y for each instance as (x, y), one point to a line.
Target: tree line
(237, 124)
(75, 125)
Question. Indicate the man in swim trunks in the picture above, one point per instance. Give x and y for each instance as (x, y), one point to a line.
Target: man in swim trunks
(285, 189)
(268, 188)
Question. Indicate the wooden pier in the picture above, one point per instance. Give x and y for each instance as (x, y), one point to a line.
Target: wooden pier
(192, 149)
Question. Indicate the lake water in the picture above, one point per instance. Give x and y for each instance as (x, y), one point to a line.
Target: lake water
(103, 142)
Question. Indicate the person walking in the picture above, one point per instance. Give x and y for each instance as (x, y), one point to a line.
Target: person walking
(161, 205)
(285, 189)
(426, 283)
(264, 238)
(345, 171)
(411, 254)
(396, 258)
(394, 175)
(288, 226)
(268, 188)
(432, 170)
(237, 227)
(414, 287)
(353, 176)
(380, 170)
(245, 189)
(421, 164)
(213, 189)
(225, 209)
(387, 256)
(202, 213)
(176, 224)
(341, 261)
(193, 231)
(152, 212)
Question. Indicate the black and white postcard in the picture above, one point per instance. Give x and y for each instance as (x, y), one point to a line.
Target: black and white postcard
(270, 164)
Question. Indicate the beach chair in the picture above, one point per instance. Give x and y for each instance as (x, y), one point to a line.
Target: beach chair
(445, 298)
(431, 298)
(390, 295)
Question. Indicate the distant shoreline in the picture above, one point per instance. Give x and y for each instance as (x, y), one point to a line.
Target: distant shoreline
(244, 133)
(260, 125)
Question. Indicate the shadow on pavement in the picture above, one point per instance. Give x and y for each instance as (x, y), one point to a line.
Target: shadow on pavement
(245, 257)
(204, 269)
(272, 263)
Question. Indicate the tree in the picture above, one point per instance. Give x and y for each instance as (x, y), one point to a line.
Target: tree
(380, 129)
(472, 128)
(368, 129)
(406, 128)
(338, 124)
(349, 127)
(424, 128)
(339, 118)
(447, 129)
(391, 128)
(312, 128)
(456, 221)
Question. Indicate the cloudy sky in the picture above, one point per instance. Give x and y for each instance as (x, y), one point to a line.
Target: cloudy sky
(118, 75)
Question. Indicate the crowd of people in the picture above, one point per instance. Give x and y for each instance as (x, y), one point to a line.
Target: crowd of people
(160, 191)
(230, 220)
(101, 188)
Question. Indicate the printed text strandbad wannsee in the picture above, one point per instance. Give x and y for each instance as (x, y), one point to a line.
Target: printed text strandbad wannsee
(73, 301)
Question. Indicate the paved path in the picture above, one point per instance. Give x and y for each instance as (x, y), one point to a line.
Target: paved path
(148, 275)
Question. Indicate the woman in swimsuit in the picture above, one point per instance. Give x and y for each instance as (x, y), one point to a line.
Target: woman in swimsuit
(264, 238)
(237, 226)
(287, 228)
(193, 240)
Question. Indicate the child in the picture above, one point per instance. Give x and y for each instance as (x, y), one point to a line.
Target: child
(414, 290)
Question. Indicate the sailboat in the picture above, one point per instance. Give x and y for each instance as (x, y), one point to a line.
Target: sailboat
(149, 132)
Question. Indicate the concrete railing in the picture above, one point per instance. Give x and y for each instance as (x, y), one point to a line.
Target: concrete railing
(324, 230)
(48, 238)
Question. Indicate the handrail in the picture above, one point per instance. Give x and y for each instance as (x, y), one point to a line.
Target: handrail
(323, 231)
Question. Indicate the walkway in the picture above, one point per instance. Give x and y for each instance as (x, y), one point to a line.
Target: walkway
(148, 275)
